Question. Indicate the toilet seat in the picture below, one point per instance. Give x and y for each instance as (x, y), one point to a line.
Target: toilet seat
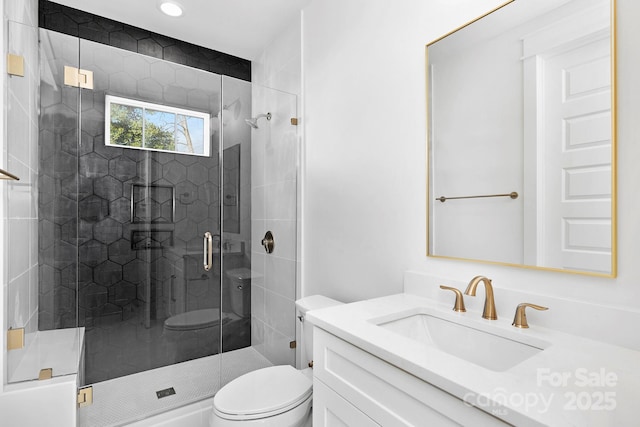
(263, 393)
(196, 319)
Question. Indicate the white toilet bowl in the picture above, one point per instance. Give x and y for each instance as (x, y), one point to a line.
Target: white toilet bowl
(278, 396)
(194, 334)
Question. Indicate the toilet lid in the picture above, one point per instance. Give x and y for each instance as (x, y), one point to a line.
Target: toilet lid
(196, 319)
(263, 393)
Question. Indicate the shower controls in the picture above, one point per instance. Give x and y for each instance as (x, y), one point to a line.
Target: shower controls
(208, 251)
(268, 242)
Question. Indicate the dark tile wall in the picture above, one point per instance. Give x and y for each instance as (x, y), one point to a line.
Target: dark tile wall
(74, 22)
(122, 263)
(98, 268)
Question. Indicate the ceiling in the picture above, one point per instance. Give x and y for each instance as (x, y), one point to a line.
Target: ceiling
(237, 27)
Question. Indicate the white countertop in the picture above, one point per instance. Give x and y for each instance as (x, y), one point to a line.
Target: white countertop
(573, 381)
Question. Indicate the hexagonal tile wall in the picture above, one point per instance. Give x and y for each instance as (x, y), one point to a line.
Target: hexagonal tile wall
(101, 190)
(87, 260)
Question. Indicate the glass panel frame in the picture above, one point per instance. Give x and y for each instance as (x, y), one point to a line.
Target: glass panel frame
(164, 111)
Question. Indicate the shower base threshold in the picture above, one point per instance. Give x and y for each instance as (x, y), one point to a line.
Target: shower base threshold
(124, 400)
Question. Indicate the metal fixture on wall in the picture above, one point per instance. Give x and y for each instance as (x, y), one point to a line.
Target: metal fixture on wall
(76, 77)
(513, 195)
(45, 374)
(268, 242)
(85, 396)
(15, 338)
(8, 175)
(253, 122)
(15, 65)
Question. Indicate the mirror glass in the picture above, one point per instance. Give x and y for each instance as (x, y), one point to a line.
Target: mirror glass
(521, 131)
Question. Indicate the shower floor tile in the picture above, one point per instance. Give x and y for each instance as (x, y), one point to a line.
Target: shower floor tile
(123, 400)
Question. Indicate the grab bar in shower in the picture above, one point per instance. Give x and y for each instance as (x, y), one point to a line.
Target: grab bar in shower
(513, 195)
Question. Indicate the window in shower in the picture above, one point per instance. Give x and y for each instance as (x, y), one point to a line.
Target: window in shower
(145, 126)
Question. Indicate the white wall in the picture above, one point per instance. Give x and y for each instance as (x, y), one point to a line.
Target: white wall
(365, 202)
(365, 133)
(482, 157)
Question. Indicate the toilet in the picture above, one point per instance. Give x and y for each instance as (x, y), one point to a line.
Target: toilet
(194, 334)
(278, 396)
(239, 280)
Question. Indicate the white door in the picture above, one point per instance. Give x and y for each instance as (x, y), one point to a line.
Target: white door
(575, 158)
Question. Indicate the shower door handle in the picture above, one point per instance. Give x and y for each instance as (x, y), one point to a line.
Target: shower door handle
(208, 251)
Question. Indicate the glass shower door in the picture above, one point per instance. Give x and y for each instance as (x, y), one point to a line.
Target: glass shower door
(148, 156)
(269, 303)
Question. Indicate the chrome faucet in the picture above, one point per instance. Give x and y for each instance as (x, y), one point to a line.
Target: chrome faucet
(489, 303)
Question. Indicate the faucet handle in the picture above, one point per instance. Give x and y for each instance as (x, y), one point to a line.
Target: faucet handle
(459, 304)
(520, 319)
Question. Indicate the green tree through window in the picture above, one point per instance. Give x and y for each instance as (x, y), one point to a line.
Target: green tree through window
(138, 124)
(126, 125)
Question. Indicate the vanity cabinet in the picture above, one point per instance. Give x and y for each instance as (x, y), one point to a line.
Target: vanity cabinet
(355, 388)
(331, 409)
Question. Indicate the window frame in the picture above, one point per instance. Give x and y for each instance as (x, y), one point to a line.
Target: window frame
(118, 100)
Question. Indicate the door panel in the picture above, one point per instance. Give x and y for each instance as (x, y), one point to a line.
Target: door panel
(151, 192)
(577, 165)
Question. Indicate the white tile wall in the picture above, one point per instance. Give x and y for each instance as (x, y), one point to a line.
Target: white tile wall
(237, 132)
(275, 153)
(279, 65)
(21, 145)
(23, 11)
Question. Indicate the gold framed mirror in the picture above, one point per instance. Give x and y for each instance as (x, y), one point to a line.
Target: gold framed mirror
(521, 150)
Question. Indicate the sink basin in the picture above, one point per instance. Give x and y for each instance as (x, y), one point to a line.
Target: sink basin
(477, 346)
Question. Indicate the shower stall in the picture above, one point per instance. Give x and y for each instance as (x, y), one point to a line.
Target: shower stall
(156, 183)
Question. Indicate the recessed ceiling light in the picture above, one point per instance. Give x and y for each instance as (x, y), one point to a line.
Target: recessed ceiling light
(170, 8)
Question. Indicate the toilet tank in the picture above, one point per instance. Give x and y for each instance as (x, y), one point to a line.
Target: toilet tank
(303, 305)
(239, 281)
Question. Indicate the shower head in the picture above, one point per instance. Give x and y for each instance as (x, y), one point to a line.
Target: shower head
(253, 122)
(237, 108)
